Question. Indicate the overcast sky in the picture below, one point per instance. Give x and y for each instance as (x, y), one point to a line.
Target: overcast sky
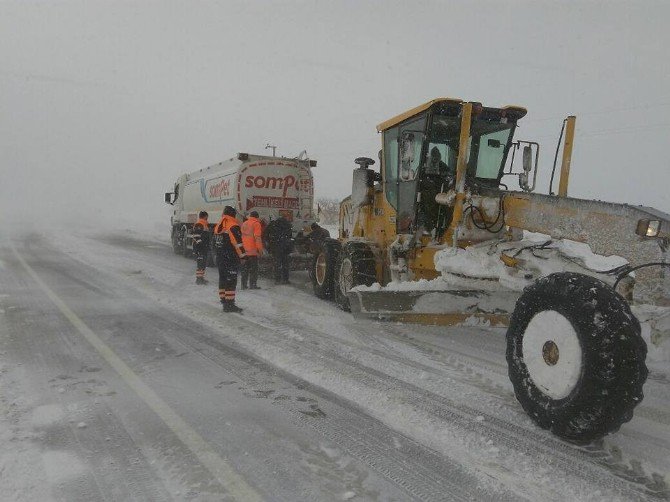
(104, 104)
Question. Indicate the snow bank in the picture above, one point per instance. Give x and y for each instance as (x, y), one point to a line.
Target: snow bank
(481, 267)
(537, 255)
(582, 251)
(420, 285)
(471, 262)
(655, 325)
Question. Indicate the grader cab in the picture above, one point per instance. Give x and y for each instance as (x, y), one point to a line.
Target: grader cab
(436, 236)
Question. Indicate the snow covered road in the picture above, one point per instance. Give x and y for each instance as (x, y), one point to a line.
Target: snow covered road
(122, 380)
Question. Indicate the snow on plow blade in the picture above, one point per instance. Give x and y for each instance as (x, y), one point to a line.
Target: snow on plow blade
(443, 307)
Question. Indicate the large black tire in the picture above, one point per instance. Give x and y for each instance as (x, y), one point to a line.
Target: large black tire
(176, 244)
(184, 248)
(322, 270)
(211, 252)
(355, 267)
(575, 356)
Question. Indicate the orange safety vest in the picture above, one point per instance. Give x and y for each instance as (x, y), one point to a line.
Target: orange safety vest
(251, 236)
(226, 226)
(204, 223)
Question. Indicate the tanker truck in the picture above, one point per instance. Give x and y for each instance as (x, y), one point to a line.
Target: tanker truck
(273, 186)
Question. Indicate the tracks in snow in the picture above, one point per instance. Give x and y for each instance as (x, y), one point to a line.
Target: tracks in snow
(591, 459)
(592, 465)
(364, 362)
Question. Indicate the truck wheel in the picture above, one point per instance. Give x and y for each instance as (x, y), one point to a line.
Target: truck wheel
(184, 248)
(322, 271)
(176, 244)
(355, 267)
(575, 356)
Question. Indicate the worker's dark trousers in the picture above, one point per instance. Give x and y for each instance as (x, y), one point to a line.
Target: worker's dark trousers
(228, 269)
(200, 263)
(282, 267)
(250, 272)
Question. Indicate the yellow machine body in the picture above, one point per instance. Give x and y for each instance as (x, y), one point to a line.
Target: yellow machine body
(382, 219)
(435, 237)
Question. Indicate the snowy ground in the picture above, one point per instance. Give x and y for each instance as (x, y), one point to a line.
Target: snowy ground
(293, 400)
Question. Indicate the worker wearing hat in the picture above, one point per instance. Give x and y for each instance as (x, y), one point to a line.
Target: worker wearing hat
(316, 236)
(230, 254)
(279, 238)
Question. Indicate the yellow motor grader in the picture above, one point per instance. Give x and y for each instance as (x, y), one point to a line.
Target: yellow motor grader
(575, 354)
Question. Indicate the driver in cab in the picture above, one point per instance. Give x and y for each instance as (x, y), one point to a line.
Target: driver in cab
(437, 177)
(435, 166)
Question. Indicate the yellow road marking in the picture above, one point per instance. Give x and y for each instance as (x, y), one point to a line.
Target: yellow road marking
(214, 463)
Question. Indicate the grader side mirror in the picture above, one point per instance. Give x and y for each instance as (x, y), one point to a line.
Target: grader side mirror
(529, 164)
(527, 158)
(168, 197)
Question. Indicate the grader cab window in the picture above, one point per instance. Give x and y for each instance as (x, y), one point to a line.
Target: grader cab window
(444, 135)
(403, 148)
(391, 166)
(410, 154)
(489, 143)
(411, 144)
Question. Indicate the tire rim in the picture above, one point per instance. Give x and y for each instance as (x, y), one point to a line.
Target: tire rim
(320, 269)
(346, 276)
(552, 354)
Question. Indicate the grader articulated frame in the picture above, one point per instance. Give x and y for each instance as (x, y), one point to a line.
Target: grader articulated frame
(575, 354)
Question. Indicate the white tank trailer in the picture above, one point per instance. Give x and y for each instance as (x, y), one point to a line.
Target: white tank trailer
(273, 186)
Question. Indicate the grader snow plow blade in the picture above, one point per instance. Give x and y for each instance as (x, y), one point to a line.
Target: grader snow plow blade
(443, 307)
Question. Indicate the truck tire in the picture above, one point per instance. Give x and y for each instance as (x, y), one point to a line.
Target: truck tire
(575, 356)
(322, 271)
(211, 252)
(355, 267)
(176, 244)
(184, 248)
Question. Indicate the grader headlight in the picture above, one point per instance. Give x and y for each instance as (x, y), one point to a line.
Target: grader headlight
(648, 228)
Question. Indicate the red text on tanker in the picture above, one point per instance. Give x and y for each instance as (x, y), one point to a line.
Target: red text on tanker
(270, 182)
(273, 202)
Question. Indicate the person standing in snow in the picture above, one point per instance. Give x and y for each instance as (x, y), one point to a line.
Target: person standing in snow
(317, 235)
(279, 237)
(201, 246)
(253, 245)
(230, 255)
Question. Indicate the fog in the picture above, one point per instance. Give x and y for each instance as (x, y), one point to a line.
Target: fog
(104, 104)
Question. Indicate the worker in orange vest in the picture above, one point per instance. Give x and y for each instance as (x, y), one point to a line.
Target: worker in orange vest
(253, 245)
(201, 246)
(230, 254)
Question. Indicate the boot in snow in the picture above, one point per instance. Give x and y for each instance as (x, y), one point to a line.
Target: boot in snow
(231, 307)
(201, 281)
